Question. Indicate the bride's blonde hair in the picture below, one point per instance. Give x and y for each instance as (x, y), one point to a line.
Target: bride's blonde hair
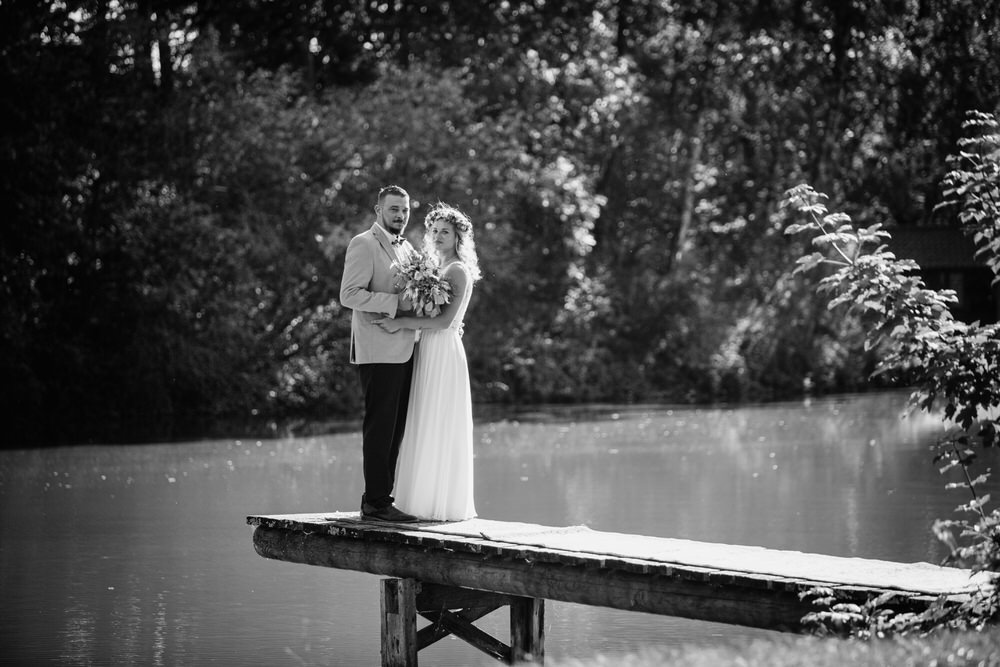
(465, 242)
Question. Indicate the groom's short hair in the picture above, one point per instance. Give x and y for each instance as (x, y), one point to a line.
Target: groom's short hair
(391, 190)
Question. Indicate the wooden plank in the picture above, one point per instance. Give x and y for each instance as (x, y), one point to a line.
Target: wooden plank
(773, 609)
(351, 526)
(399, 622)
(539, 562)
(699, 561)
(435, 597)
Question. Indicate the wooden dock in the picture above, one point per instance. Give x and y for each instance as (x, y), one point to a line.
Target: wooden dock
(455, 573)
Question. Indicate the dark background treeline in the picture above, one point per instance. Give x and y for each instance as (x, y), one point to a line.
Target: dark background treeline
(180, 180)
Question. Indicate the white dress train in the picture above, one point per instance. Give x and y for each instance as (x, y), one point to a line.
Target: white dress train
(434, 472)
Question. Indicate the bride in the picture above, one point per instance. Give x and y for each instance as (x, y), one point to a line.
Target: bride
(434, 472)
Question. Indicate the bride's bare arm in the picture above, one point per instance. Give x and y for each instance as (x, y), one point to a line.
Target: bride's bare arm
(459, 281)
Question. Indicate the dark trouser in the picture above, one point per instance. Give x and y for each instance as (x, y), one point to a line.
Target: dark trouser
(386, 388)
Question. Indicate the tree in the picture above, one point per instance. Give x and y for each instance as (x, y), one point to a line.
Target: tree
(172, 165)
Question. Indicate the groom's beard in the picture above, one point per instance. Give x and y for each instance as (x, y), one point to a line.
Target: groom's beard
(390, 227)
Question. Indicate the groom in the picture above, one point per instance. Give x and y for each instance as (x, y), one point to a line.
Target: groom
(384, 360)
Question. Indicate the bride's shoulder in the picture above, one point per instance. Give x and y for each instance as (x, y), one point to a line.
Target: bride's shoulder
(457, 266)
(458, 274)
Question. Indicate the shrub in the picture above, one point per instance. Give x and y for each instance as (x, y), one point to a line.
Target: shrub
(951, 364)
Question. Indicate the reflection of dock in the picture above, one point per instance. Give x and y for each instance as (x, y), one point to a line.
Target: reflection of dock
(455, 573)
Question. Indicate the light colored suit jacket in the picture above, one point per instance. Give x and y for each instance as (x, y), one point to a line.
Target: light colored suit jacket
(369, 289)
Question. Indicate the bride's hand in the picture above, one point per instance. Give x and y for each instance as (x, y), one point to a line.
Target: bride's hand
(388, 324)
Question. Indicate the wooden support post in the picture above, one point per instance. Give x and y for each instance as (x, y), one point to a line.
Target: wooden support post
(452, 611)
(527, 630)
(399, 622)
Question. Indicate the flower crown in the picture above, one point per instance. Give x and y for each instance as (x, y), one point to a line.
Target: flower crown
(448, 214)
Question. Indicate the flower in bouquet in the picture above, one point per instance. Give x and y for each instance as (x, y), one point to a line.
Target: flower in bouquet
(423, 284)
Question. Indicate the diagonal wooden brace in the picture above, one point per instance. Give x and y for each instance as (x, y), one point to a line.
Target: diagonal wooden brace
(452, 610)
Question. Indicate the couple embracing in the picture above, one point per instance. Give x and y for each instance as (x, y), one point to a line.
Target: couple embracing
(417, 431)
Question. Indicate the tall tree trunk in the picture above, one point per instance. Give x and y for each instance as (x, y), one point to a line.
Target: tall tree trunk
(166, 56)
(142, 43)
(687, 211)
(306, 33)
(623, 37)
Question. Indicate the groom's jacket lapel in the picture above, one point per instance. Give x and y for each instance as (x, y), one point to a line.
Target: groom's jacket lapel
(383, 240)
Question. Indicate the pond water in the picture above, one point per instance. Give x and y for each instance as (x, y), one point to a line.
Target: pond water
(141, 555)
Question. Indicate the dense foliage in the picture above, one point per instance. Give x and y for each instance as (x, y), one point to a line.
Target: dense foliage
(182, 178)
(952, 365)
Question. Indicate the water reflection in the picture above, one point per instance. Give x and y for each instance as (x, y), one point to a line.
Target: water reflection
(139, 554)
(811, 477)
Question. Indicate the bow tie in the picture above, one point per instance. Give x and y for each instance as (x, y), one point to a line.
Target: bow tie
(397, 241)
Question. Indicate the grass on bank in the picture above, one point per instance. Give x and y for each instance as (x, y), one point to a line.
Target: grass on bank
(947, 649)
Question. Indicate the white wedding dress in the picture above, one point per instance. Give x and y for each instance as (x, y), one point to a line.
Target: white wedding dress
(434, 470)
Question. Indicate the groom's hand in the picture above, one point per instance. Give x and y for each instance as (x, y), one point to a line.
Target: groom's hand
(404, 303)
(388, 324)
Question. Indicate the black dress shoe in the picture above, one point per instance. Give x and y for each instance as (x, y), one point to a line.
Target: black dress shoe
(389, 513)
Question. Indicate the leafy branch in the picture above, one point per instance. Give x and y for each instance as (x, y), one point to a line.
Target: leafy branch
(951, 363)
(973, 185)
(876, 617)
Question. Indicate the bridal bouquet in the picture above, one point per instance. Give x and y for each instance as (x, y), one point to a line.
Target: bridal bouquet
(423, 284)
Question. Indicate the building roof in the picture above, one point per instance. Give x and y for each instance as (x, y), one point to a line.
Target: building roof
(934, 247)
